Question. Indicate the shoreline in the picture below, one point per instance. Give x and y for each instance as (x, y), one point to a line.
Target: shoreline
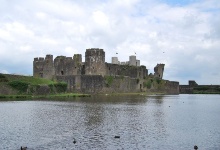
(66, 95)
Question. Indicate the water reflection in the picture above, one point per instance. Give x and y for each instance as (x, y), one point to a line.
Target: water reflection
(141, 122)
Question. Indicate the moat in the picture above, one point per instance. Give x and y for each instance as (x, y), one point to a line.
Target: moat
(142, 122)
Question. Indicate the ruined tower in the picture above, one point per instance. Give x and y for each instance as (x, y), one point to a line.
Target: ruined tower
(68, 65)
(158, 70)
(95, 62)
(43, 68)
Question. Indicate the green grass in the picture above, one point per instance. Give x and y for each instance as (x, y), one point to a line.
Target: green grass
(69, 95)
(109, 80)
(205, 92)
(28, 79)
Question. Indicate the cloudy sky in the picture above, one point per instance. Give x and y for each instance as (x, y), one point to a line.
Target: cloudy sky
(183, 34)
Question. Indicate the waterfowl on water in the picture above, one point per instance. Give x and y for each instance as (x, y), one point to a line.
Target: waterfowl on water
(196, 147)
(74, 141)
(23, 148)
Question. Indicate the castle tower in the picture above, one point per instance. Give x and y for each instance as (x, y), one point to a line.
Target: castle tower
(132, 60)
(138, 63)
(95, 62)
(77, 58)
(38, 65)
(43, 68)
(48, 70)
(158, 70)
(115, 60)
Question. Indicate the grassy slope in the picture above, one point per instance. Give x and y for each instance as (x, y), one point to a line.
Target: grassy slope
(32, 81)
(29, 79)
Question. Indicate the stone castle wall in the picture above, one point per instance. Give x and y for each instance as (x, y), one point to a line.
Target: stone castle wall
(88, 76)
(98, 84)
(172, 87)
(94, 65)
(126, 70)
(193, 87)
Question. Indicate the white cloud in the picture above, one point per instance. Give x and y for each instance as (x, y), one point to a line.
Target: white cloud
(185, 37)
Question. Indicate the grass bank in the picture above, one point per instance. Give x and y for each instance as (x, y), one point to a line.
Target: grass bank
(65, 95)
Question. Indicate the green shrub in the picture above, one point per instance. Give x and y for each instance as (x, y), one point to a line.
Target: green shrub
(158, 81)
(60, 87)
(108, 80)
(217, 88)
(147, 84)
(19, 85)
(203, 88)
(2, 96)
(51, 87)
(3, 78)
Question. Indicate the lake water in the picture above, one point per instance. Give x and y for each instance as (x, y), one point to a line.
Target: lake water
(143, 122)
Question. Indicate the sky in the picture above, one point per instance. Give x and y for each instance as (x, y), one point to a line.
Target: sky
(182, 34)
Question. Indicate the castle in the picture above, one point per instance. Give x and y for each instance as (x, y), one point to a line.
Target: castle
(89, 75)
(94, 65)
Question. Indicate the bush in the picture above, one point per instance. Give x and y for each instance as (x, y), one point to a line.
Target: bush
(108, 80)
(158, 81)
(203, 88)
(3, 78)
(19, 85)
(60, 87)
(147, 84)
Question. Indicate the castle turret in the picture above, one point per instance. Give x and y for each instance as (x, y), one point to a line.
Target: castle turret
(115, 60)
(43, 67)
(132, 60)
(48, 70)
(77, 58)
(95, 62)
(158, 70)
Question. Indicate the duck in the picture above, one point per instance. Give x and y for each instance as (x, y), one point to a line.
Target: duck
(195, 147)
(24, 148)
(74, 141)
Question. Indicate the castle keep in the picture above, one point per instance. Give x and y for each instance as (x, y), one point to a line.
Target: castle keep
(90, 76)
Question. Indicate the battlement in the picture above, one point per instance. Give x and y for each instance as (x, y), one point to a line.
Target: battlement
(94, 52)
(94, 65)
(49, 57)
(132, 61)
(41, 59)
(38, 59)
(94, 49)
(60, 57)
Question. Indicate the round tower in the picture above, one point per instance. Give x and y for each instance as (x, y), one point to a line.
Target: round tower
(95, 61)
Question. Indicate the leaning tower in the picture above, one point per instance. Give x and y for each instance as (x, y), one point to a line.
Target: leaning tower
(95, 62)
(158, 70)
